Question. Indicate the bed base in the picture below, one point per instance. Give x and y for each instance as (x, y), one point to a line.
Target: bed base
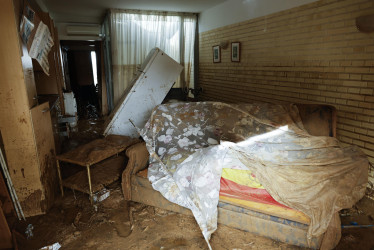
(273, 227)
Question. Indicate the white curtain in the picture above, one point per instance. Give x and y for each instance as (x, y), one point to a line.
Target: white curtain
(135, 33)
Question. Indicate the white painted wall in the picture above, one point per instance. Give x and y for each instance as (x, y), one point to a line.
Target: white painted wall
(235, 11)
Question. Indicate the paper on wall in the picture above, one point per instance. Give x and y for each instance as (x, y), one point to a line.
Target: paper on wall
(26, 28)
(41, 45)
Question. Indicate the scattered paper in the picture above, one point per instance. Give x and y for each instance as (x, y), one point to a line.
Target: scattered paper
(55, 246)
(41, 46)
(25, 29)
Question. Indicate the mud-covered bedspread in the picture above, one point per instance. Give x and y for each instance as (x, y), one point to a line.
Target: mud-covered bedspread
(190, 143)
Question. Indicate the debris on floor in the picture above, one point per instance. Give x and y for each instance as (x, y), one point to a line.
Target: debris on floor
(28, 231)
(356, 236)
(101, 195)
(119, 224)
(54, 246)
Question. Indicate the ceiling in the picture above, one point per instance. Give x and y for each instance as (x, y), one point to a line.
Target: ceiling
(93, 11)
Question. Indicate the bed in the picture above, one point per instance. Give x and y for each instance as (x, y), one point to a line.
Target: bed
(243, 202)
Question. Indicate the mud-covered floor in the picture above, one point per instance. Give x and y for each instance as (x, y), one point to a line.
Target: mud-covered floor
(358, 237)
(117, 224)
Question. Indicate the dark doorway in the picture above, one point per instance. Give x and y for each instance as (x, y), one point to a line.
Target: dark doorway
(82, 69)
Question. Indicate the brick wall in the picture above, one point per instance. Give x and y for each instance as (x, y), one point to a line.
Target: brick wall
(309, 54)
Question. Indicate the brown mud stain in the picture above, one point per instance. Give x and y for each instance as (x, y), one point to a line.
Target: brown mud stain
(121, 221)
(32, 203)
(171, 243)
(22, 120)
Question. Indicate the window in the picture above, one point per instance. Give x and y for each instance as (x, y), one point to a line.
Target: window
(133, 35)
(94, 66)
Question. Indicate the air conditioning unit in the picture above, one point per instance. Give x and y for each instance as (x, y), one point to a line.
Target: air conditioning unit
(80, 30)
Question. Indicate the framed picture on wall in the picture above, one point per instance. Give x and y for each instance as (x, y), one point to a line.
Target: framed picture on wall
(235, 52)
(216, 54)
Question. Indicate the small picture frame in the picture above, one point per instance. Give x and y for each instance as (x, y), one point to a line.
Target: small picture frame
(216, 54)
(235, 52)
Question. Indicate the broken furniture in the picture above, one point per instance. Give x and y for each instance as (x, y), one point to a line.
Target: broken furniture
(25, 124)
(70, 104)
(156, 76)
(99, 155)
(188, 129)
(70, 118)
